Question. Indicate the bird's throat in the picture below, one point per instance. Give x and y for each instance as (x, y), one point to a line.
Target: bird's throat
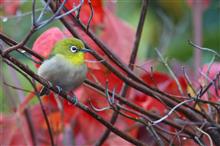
(76, 59)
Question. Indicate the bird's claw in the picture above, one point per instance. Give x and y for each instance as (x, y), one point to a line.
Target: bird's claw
(73, 99)
(59, 89)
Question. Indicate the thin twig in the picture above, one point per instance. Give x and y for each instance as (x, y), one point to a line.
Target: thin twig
(209, 137)
(170, 71)
(78, 13)
(45, 22)
(11, 42)
(204, 49)
(193, 90)
(14, 87)
(43, 11)
(189, 83)
(171, 111)
(22, 43)
(97, 88)
(33, 11)
(91, 15)
(44, 114)
(72, 10)
(30, 126)
(98, 109)
(155, 135)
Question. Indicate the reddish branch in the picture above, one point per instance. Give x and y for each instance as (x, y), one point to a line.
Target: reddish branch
(22, 43)
(12, 42)
(151, 115)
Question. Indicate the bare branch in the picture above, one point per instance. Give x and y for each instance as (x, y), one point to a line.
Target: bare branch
(11, 42)
(8, 50)
(43, 11)
(91, 15)
(170, 71)
(171, 111)
(209, 137)
(135, 107)
(33, 11)
(70, 11)
(98, 109)
(155, 135)
(138, 33)
(204, 49)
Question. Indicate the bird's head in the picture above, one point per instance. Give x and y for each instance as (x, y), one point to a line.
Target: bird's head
(72, 49)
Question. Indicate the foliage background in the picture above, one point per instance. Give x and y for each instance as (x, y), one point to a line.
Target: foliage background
(168, 27)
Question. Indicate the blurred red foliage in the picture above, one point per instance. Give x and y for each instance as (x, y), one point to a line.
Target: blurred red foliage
(10, 7)
(214, 69)
(85, 12)
(85, 129)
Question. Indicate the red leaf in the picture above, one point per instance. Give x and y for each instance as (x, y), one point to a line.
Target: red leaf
(161, 81)
(46, 41)
(118, 35)
(172, 88)
(214, 69)
(10, 7)
(85, 11)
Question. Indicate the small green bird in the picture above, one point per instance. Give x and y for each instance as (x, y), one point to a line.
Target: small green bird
(66, 68)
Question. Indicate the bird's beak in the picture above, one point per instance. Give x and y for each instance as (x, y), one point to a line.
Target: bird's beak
(85, 50)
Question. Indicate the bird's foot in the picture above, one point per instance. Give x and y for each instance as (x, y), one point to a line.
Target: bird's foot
(59, 89)
(44, 91)
(73, 99)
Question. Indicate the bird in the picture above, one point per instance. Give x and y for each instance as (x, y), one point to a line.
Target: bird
(66, 68)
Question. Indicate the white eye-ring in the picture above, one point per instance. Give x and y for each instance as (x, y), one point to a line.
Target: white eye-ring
(73, 49)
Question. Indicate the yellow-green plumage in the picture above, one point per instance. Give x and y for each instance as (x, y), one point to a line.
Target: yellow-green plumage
(66, 68)
(76, 58)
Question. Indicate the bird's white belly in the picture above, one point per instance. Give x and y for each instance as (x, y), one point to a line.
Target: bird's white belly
(62, 73)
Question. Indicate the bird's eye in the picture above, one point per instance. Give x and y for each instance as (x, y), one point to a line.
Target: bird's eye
(73, 49)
